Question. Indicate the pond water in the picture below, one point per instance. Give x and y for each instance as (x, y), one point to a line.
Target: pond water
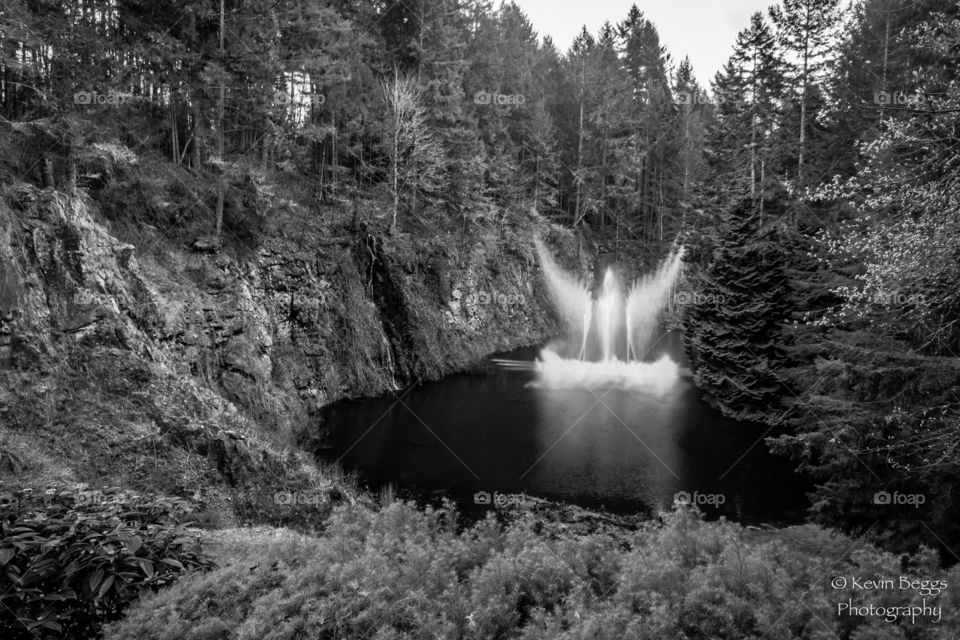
(470, 437)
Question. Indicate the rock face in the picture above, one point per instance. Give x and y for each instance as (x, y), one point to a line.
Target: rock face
(265, 333)
(320, 323)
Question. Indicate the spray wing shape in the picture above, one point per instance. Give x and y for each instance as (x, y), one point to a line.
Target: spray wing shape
(570, 295)
(615, 331)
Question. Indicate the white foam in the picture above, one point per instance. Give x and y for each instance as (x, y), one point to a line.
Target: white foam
(655, 378)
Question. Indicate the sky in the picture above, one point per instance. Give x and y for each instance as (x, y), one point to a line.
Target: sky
(705, 30)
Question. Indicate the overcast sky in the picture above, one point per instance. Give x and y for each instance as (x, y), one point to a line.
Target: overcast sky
(705, 30)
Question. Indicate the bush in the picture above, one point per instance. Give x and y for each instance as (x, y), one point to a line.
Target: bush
(72, 559)
(404, 573)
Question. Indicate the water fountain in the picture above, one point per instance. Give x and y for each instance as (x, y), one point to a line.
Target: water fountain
(609, 334)
(596, 418)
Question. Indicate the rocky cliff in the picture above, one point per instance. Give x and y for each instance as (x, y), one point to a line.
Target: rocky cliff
(145, 354)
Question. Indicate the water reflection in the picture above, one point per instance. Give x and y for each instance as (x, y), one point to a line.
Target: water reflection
(607, 444)
(618, 448)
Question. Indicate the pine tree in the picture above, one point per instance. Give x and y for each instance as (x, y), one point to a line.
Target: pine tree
(578, 62)
(749, 94)
(542, 158)
(21, 80)
(541, 164)
(875, 63)
(514, 138)
(608, 117)
(734, 334)
(654, 121)
(758, 57)
(806, 29)
(693, 117)
(442, 66)
(328, 76)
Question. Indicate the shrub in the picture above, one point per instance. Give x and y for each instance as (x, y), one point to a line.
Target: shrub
(72, 559)
(405, 573)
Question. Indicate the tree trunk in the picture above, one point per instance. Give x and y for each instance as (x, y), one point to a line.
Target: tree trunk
(603, 182)
(220, 113)
(321, 158)
(661, 205)
(803, 109)
(536, 187)
(333, 157)
(753, 157)
(763, 167)
(396, 167)
(753, 130)
(174, 138)
(576, 205)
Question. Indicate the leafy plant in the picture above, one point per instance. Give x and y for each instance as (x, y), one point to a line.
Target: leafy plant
(72, 559)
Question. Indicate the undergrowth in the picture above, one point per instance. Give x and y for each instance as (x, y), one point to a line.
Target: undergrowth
(405, 573)
(72, 559)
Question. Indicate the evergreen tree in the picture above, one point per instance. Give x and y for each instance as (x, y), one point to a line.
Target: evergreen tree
(542, 158)
(806, 29)
(749, 94)
(654, 122)
(509, 131)
(22, 79)
(579, 62)
(693, 117)
(442, 67)
(734, 331)
(757, 55)
(876, 62)
(608, 125)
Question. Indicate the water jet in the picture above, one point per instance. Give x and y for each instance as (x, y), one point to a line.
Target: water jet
(609, 332)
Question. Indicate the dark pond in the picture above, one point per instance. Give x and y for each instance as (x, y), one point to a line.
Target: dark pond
(471, 435)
